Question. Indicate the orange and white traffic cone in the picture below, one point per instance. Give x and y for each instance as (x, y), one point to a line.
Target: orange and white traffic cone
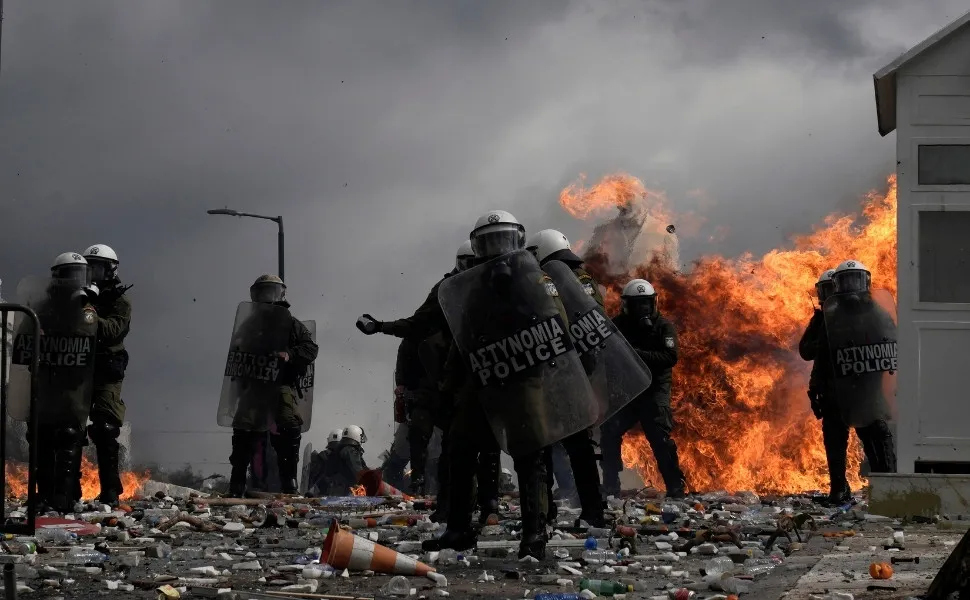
(374, 485)
(344, 550)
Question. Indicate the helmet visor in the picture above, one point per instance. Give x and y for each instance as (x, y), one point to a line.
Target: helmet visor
(498, 239)
(463, 263)
(824, 289)
(851, 282)
(641, 306)
(101, 270)
(267, 292)
(74, 275)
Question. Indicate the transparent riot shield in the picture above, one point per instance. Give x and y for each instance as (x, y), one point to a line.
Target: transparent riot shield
(506, 319)
(304, 385)
(251, 382)
(862, 336)
(29, 325)
(616, 373)
(305, 468)
(65, 376)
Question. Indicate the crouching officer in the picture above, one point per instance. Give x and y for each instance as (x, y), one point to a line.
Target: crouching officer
(111, 361)
(655, 341)
(348, 463)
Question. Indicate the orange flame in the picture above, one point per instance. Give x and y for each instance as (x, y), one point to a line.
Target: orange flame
(16, 474)
(358, 490)
(739, 391)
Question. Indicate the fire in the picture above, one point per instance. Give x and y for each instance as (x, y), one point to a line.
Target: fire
(16, 474)
(358, 490)
(739, 392)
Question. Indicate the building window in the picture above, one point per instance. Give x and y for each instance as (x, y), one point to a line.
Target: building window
(943, 164)
(944, 256)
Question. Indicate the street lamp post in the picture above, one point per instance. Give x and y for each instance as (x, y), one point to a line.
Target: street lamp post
(278, 220)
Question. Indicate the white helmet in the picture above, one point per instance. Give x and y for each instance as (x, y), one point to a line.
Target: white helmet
(104, 262)
(825, 287)
(335, 436)
(851, 276)
(71, 266)
(465, 257)
(267, 288)
(639, 299)
(547, 242)
(355, 433)
(506, 472)
(496, 232)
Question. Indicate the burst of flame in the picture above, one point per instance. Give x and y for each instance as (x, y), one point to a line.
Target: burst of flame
(739, 390)
(16, 474)
(358, 490)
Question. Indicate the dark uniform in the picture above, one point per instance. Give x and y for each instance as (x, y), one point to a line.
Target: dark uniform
(345, 466)
(579, 447)
(108, 408)
(318, 474)
(657, 346)
(249, 426)
(835, 433)
(429, 406)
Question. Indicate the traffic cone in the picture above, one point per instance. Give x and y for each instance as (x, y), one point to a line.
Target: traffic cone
(374, 485)
(344, 550)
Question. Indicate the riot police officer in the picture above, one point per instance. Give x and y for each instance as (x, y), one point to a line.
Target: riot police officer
(65, 309)
(346, 465)
(250, 423)
(655, 340)
(854, 315)
(499, 304)
(835, 433)
(108, 407)
(548, 245)
(318, 464)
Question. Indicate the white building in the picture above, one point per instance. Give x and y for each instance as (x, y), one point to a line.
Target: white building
(924, 95)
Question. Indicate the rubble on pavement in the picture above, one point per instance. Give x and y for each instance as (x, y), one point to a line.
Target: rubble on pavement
(179, 543)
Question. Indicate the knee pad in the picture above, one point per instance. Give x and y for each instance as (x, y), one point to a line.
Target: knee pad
(68, 436)
(101, 432)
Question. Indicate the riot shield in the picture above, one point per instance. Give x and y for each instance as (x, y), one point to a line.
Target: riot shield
(69, 331)
(507, 322)
(305, 470)
(304, 385)
(862, 338)
(616, 373)
(250, 385)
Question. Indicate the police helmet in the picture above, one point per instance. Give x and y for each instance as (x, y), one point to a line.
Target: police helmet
(355, 433)
(496, 232)
(267, 288)
(851, 277)
(335, 435)
(103, 262)
(639, 298)
(825, 286)
(465, 257)
(71, 266)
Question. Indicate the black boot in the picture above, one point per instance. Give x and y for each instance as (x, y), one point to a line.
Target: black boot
(105, 438)
(582, 459)
(489, 467)
(243, 446)
(46, 468)
(287, 446)
(67, 474)
(534, 501)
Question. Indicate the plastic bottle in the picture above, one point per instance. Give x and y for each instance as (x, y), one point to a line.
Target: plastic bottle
(85, 556)
(397, 586)
(719, 566)
(759, 566)
(601, 587)
(558, 597)
(50, 535)
(598, 556)
(590, 543)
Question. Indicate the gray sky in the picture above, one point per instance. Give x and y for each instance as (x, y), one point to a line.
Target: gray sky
(381, 131)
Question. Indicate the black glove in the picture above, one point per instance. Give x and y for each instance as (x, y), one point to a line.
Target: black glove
(816, 399)
(368, 325)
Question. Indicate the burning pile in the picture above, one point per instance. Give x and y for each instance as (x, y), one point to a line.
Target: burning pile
(16, 474)
(739, 395)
